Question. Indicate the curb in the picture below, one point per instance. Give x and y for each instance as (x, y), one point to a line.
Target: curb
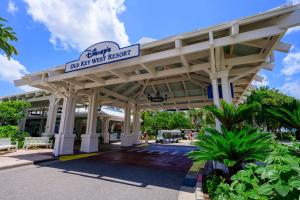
(199, 195)
(191, 187)
(28, 163)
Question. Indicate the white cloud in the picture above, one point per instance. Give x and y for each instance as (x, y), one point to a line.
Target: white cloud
(291, 88)
(81, 23)
(12, 8)
(292, 30)
(291, 63)
(293, 1)
(11, 70)
(144, 40)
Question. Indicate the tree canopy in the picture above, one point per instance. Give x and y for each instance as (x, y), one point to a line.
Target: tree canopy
(271, 99)
(159, 120)
(12, 111)
(7, 35)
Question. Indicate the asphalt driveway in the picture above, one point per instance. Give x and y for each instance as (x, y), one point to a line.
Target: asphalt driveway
(128, 174)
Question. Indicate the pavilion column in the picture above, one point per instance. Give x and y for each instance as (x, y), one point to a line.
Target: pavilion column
(226, 91)
(126, 137)
(216, 98)
(51, 116)
(64, 140)
(105, 132)
(89, 140)
(136, 125)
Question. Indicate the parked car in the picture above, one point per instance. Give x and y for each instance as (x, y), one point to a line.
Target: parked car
(168, 136)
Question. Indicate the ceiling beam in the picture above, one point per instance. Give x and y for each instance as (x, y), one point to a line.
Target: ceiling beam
(95, 78)
(114, 94)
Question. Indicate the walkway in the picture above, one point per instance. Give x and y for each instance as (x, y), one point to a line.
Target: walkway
(23, 157)
(126, 175)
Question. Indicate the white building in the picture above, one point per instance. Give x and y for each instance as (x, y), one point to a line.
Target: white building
(191, 69)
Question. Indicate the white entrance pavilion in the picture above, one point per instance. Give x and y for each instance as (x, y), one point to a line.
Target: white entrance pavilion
(192, 69)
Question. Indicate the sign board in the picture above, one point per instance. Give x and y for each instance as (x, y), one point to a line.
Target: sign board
(102, 53)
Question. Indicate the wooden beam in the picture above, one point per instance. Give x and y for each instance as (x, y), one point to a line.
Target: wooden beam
(177, 106)
(74, 82)
(95, 78)
(178, 99)
(118, 74)
(244, 60)
(114, 94)
(142, 90)
(149, 69)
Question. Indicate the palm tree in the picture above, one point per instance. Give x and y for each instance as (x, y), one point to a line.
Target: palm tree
(268, 98)
(6, 35)
(233, 148)
(200, 117)
(230, 115)
(291, 118)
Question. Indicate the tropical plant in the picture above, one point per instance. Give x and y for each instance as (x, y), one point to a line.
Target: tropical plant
(278, 179)
(12, 111)
(200, 118)
(231, 116)
(289, 118)
(7, 35)
(268, 98)
(233, 148)
(212, 182)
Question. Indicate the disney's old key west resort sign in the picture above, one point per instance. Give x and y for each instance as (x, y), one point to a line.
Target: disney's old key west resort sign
(102, 53)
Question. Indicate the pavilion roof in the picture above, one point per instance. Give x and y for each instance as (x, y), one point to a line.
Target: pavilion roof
(181, 66)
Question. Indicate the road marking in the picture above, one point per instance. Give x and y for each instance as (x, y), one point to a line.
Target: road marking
(76, 156)
(162, 152)
(143, 150)
(129, 150)
(175, 152)
(153, 151)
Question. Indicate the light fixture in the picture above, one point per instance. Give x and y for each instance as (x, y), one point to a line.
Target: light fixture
(157, 97)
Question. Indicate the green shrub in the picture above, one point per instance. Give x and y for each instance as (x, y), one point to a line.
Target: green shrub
(278, 179)
(233, 148)
(13, 133)
(212, 181)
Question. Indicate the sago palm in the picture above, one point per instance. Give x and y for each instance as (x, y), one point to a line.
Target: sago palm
(233, 148)
(7, 35)
(290, 118)
(230, 115)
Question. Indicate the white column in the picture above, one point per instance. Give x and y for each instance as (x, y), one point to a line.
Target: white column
(126, 137)
(216, 98)
(105, 127)
(136, 125)
(226, 91)
(89, 140)
(64, 140)
(51, 116)
(127, 120)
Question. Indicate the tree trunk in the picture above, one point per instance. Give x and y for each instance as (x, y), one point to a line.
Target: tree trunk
(253, 120)
(298, 135)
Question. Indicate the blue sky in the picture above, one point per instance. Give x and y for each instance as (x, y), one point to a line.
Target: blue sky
(54, 32)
